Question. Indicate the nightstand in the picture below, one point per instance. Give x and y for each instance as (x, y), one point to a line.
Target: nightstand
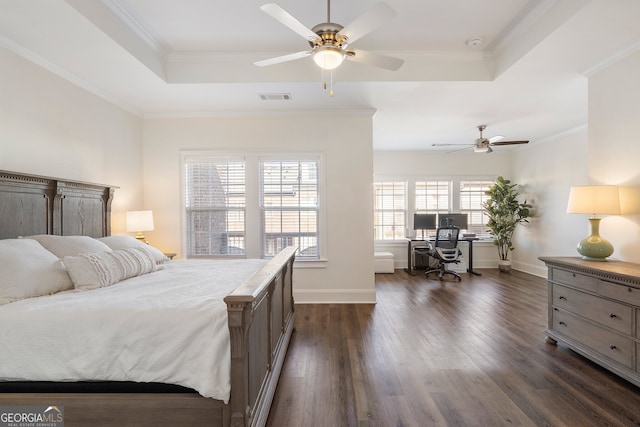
(170, 255)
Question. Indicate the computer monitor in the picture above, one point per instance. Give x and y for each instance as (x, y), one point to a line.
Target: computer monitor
(424, 221)
(457, 219)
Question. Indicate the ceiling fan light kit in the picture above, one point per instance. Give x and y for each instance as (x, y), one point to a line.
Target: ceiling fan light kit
(482, 146)
(328, 57)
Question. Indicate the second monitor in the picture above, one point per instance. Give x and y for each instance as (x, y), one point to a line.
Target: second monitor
(457, 219)
(424, 221)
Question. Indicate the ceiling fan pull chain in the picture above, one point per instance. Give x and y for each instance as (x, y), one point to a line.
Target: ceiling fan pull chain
(331, 83)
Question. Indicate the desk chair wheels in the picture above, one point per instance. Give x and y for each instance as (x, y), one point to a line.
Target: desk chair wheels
(441, 272)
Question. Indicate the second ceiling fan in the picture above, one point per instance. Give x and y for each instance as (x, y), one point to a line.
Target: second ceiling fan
(483, 145)
(329, 40)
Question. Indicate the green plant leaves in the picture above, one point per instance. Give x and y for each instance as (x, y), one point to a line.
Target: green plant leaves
(505, 212)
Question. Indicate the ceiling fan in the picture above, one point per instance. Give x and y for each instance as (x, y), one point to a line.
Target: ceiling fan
(483, 145)
(329, 40)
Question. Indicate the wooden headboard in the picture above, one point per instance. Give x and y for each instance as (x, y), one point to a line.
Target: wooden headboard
(31, 204)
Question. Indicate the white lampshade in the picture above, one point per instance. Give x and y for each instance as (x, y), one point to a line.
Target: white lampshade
(139, 221)
(594, 199)
(328, 57)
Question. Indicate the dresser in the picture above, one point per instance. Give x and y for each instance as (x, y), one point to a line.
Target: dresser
(594, 308)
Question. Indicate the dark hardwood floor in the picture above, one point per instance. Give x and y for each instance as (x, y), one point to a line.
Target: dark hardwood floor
(432, 353)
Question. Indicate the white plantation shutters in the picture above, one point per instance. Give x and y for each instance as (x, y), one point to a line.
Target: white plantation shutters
(472, 197)
(289, 204)
(433, 197)
(215, 206)
(390, 210)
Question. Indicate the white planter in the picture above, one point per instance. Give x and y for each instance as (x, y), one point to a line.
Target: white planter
(504, 265)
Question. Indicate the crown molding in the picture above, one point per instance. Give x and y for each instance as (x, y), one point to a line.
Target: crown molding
(134, 23)
(70, 77)
(258, 113)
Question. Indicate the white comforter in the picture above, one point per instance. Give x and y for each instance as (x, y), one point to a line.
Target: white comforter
(169, 326)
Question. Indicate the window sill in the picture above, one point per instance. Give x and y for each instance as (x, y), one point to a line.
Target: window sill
(310, 263)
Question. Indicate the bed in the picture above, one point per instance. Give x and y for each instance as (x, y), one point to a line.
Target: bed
(258, 313)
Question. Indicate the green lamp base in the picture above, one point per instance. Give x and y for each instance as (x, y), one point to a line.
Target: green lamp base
(594, 247)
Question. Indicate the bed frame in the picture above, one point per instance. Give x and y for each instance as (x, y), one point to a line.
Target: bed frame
(260, 318)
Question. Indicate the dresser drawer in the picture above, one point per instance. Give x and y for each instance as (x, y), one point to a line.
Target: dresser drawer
(610, 344)
(620, 292)
(572, 279)
(608, 313)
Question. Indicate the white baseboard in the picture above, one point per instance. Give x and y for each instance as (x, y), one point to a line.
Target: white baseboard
(536, 270)
(334, 296)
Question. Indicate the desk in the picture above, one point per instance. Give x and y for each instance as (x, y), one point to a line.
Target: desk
(411, 244)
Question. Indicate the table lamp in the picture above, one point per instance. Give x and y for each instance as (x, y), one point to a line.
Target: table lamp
(138, 222)
(594, 200)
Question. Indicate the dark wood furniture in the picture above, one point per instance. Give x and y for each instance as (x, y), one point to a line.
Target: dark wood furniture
(594, 308)
(260, 319)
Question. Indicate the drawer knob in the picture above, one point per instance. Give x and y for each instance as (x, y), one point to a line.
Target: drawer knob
(613, 316)
(612, 347)
(561, 297)
(562, 323)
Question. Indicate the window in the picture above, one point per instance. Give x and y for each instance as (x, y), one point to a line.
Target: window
(246, 205)
(215, 207)
(472, 198)
(433, 196)
(390, 210)
(289, 204)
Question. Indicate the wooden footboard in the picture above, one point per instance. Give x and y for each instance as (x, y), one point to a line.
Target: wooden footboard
(261, 314)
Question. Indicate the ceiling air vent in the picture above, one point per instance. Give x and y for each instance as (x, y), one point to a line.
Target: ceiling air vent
(275, 96)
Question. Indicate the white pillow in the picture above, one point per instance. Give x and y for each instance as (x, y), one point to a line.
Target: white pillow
(62, 246)
(127, 242)
(91, 271)
(29, 270)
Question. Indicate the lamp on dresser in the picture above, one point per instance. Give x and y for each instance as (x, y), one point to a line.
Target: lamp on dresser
(595, 200)
(139, 222)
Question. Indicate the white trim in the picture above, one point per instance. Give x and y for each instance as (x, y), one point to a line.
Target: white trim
(536, 270)
(255, 114)
(135, 24)
(70, 77)
(511, 33)
(618, 56)
(310, 263)
(334, 296)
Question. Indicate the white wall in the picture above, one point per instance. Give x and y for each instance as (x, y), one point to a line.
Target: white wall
(404, 164)
(614, 148)
(545, 171)
(606, 153)
(51, 127)
(345, 140)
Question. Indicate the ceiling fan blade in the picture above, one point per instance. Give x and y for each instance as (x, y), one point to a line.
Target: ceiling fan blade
(496, 138)
(376, 59)
(509, 143)
(283, 58)
(448, 144)
(457, 149)
(285, 18)
(377, 15)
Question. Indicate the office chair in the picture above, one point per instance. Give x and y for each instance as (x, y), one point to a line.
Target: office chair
(446, 251)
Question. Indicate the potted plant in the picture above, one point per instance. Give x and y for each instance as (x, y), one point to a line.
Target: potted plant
(505, 212)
